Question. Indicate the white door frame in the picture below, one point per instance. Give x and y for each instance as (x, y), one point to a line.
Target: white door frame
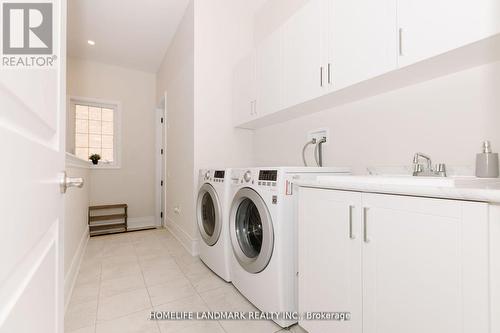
(160, 156)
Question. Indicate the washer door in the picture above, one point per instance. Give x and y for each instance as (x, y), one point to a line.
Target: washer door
(208, 214)
(252, 234)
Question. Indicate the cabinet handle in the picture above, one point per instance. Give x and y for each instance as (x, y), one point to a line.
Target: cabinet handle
(401, 41)
(365, 226)
(253, 107)
(321, 76)
(329, 73)
(351, 235)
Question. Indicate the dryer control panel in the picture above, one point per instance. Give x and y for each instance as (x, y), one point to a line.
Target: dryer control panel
(268, 177)
(219, 176)
(219, 173)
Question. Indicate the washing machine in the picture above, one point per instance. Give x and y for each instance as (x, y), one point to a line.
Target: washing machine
(263, 233)
(212, 208)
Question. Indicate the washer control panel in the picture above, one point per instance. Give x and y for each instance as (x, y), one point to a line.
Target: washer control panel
(216, 176)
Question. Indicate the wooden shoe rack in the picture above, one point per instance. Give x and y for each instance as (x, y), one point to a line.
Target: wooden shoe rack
(101, 224)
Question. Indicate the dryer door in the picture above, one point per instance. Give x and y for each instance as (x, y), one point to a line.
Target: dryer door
(252, 234)
(208, 214)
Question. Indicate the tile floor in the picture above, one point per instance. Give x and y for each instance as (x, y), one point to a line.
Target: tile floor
(125, 276)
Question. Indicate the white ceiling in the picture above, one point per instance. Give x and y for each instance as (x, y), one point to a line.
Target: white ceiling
(128, 33)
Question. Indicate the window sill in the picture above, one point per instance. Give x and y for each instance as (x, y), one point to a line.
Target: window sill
(104, 166)
(76, 162)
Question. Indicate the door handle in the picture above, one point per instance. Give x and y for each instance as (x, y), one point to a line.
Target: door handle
(365, 226)
(351, 234)
(66, 182)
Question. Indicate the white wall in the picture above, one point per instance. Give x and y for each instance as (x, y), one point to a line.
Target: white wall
(272, 14)
(133, 183)
(224, 34)
(176, 77)
(447, 118)
(75, 222)
(211, 39)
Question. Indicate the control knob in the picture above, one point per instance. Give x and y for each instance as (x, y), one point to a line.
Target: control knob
(247, 176)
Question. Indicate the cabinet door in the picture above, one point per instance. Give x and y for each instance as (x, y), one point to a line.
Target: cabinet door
(304, 69)
(269, 74)
(244, 91)
(330, 258)
(362, 40)
(432, 27)
(425, 265)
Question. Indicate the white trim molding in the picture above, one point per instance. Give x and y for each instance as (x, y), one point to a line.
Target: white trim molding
(189, 243)
(143, 222)
(72, 274)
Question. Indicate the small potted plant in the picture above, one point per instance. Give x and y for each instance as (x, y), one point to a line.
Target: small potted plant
(95, 158)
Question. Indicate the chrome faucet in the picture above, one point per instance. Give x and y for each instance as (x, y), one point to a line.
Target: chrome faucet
(427, 171)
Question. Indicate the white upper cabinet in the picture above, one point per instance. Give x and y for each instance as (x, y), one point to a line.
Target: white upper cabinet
(432, 27)
(244, 91)
(303, 54)
(330, 45)
(362, 40)
(270, 74)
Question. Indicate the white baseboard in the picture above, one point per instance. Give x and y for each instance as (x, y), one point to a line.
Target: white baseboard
(72, 274)
(136, 223)
(190, 244)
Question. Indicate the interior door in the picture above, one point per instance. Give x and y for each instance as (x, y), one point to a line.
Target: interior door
(160, 164)
(32, 129)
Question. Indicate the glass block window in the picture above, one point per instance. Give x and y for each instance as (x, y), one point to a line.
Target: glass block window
(94, 132)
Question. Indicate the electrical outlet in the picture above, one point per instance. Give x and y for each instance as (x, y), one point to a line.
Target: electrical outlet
(177, 210)
(318, 134)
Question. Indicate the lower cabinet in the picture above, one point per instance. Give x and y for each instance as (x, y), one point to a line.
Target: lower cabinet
(396, 263)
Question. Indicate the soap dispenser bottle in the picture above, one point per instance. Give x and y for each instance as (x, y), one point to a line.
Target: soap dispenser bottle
(487, 162)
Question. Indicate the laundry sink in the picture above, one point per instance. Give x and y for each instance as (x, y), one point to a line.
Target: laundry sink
(401, 180)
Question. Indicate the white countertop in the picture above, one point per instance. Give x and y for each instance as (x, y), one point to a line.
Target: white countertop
(461, 188)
